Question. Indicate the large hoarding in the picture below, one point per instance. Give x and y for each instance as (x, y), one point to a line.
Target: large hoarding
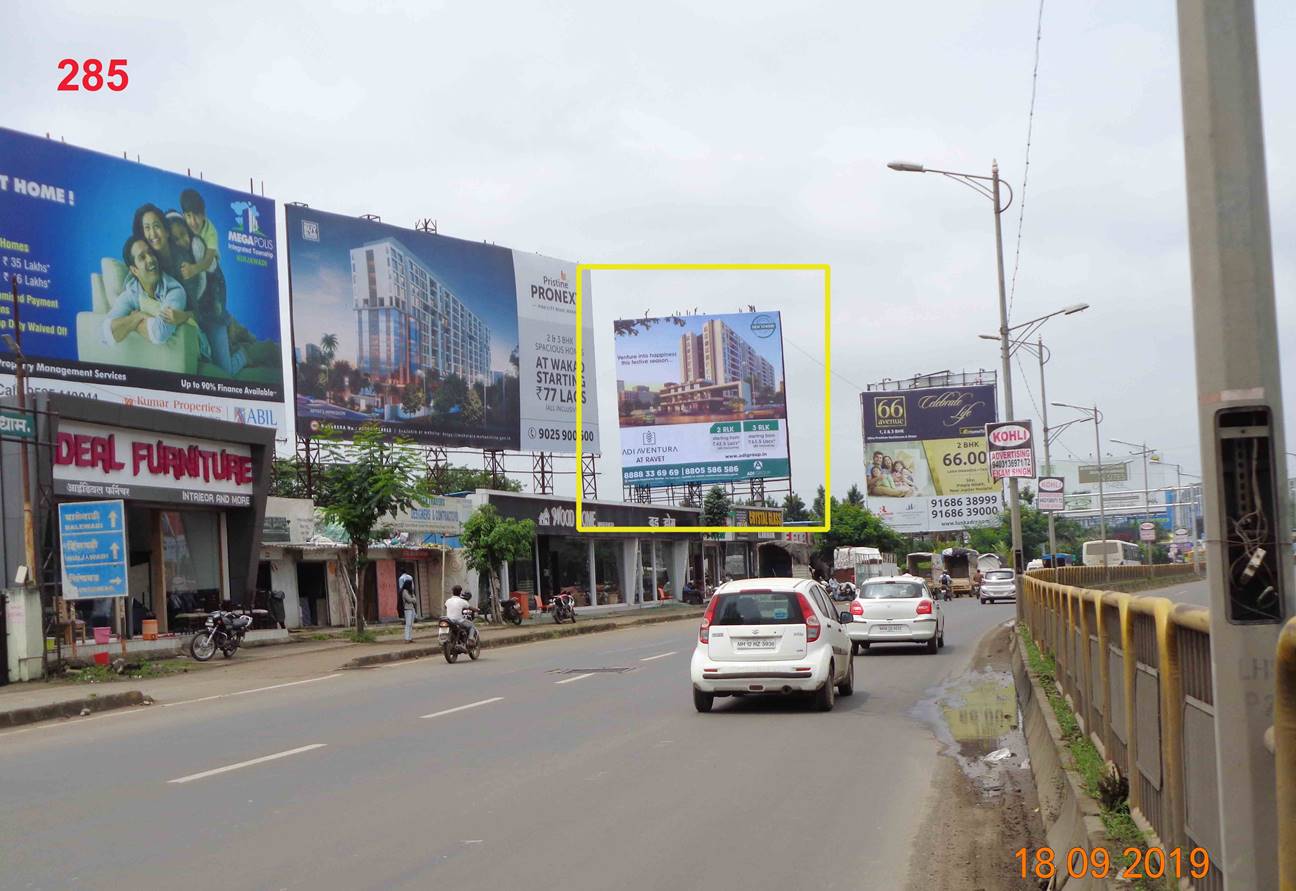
(925, 457)
(445, 341)
(139, 286)
(701, 399)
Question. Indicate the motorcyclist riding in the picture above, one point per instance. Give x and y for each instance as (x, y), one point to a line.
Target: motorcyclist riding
(945, 585)
(455, 605)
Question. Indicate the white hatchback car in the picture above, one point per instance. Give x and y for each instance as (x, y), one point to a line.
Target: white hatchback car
(896, 609)
(778, 635)
(998, 584)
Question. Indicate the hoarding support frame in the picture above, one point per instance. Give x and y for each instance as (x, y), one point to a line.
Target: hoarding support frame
(542, 472)
(493, 460)
(589, 475)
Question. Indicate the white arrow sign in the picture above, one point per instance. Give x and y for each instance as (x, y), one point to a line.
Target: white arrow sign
(115, 548)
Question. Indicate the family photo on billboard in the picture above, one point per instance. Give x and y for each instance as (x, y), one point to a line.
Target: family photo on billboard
(133, 276)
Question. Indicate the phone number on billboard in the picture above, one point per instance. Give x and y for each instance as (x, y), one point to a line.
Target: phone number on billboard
(966, 507)
(557, 435)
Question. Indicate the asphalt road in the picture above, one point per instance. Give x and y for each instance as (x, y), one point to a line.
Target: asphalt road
(501, 773)
(1197, 593)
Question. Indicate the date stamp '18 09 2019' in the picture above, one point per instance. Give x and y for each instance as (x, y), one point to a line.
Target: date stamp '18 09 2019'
(1152, 863)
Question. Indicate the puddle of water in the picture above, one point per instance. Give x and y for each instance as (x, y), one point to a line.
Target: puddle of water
(974, 715)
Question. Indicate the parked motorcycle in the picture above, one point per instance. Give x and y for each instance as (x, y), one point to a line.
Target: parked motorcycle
(457, 638)
(563, 608)
(511, 610)
(224, 631)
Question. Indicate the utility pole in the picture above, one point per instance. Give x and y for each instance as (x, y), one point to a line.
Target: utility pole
(20, 385)
(1048, 461)
(1102, 507)
(1005, 351)
(1240, 420)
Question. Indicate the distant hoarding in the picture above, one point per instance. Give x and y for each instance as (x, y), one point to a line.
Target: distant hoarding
(926, 457)
(1012, 450)
(445, 341)
(1111, 473)
(701, 399)
(1050, 493)
(139, 286)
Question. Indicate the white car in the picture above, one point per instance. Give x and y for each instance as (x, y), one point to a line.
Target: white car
(778, 635)
(896, 609)
(998, 584)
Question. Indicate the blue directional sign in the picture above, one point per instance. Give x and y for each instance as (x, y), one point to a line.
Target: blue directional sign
(92, 535)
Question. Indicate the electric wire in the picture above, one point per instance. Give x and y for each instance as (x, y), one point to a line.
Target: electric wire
(1030, 129)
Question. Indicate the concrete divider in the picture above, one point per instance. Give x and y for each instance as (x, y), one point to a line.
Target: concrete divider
(70, 708)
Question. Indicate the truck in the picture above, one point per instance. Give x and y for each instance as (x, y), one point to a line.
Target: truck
(961, 564)
(987, 562)
(855, 564)
(925, 565)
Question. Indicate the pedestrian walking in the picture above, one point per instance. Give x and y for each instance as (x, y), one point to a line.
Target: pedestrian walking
(409, 603)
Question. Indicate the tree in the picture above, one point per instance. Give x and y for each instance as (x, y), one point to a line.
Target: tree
(414, 397)
(855, 526)
(452, 392)
(364, 481)
(285, 478)
(473, 410)
(855, 496)
(817, 509)
(490, 540)
(466, 479)
(630, 327)
(794, 509)
(715, 507)
(328, 346)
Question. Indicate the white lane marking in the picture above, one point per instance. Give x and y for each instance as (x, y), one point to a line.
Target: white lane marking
(253, 690)
(577, 678)
(459, 708)
(659, 656)
(262, 760)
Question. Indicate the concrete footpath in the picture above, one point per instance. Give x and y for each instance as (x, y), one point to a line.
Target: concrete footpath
(299, 661)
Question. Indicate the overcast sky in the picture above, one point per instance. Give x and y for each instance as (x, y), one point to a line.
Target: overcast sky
(712, 132)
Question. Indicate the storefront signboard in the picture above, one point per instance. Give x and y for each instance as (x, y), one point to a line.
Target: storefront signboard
(441, 515)
(701, 399)
(452, 342)
(92, 547)
(556, 517)
(67, 216)
(97, 460)
(925, 457)
(16, 425)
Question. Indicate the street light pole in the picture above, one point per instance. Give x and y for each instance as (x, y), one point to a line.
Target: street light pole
(1147, 492)
(1048, 458)
(1096, 416)
(1005, 350)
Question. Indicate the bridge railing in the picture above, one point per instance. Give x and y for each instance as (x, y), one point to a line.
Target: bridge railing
(1136, 669)
(1087, 576)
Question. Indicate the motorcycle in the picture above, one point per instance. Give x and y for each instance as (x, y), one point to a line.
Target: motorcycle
(563, 608)
(511, 611)
(224, 631)
(945, 591)
(459, 637)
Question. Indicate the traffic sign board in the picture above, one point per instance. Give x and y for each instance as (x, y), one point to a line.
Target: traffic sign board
(92, 541)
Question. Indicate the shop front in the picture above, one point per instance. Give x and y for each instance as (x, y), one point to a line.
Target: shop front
(599, 569)
(193, 492)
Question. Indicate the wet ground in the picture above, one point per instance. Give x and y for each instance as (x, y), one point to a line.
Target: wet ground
(986, 806)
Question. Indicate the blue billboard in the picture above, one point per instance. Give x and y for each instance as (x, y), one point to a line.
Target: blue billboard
(133, 280)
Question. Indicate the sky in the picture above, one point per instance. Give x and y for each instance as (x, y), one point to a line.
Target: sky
(729, 132)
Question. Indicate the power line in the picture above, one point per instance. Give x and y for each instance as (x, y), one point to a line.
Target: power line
(1030, 128)
(813, 358)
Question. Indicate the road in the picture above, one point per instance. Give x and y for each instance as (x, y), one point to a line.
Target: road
(502, 773)
(1197, 593)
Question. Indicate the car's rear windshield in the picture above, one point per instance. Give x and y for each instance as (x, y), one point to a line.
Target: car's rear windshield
(893, 590)
(999, 575)
(757, 608)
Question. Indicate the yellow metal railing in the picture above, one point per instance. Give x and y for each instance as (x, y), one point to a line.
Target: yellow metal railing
(1097, 575)
(1136, 669)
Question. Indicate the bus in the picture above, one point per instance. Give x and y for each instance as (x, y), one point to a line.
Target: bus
(1119, 553)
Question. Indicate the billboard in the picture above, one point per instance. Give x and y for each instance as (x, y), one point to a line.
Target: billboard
(701, 399)
(925, 457)
(1012, 450)
(445, 341)
(1111, 473)
(139, 286)
(1050, 494)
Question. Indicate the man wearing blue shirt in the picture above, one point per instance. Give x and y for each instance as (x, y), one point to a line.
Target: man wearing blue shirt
(152, 302)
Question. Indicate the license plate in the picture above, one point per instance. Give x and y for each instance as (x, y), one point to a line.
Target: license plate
(755, 644)
(891, 629)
